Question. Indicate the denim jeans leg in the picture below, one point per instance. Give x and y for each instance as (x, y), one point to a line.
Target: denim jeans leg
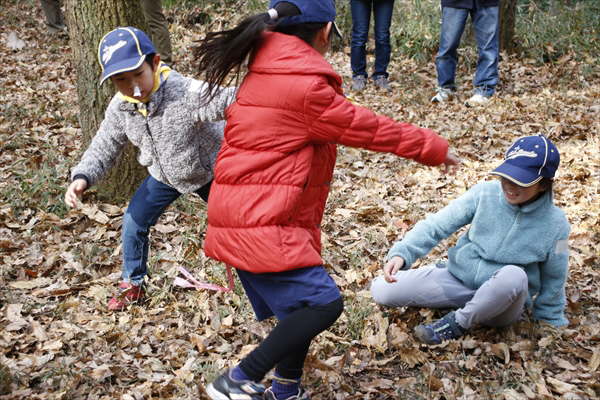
(147, 204)
(361, 19)
(485, 22)
(382, 16)
(453, 25)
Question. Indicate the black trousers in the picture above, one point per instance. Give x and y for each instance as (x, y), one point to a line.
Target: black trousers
(287, 345)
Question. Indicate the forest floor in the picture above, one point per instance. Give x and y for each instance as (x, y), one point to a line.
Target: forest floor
(59, 267)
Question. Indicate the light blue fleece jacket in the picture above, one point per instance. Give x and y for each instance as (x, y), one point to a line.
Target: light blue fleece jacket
(534, 237)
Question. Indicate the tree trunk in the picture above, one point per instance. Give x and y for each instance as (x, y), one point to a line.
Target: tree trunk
(88, 22)
(507, 15)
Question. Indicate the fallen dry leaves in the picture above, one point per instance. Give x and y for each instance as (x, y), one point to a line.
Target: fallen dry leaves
(58, 269)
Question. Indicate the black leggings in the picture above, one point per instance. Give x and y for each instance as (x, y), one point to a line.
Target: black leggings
(287, 345)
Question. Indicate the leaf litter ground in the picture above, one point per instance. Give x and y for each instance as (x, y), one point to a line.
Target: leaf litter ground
(58, 269)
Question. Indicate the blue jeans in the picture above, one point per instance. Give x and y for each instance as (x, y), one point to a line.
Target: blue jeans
(485, 22)
(147, 204)
(361, 19)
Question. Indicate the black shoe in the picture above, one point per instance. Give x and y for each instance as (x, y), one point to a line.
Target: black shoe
(225, 388)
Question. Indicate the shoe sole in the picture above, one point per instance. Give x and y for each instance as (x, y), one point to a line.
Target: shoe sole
(214, 394)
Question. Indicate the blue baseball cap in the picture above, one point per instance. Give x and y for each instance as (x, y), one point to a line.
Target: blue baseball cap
(122, 50)
(528, 160)
(311, 11)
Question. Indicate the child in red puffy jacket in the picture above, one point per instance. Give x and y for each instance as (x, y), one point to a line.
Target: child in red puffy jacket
(272, 179)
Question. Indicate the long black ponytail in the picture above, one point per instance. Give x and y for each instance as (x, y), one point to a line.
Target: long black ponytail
(221, 53)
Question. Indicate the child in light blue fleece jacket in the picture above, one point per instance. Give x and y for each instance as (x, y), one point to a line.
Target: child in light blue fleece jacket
(516, 249)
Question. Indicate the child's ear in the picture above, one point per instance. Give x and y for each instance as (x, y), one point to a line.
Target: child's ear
(156, 61)
(326, 31)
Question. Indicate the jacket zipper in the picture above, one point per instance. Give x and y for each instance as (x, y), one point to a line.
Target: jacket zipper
(155, 151)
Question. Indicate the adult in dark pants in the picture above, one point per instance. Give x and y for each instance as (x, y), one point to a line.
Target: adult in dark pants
(158, 29)
(361, 19)
(484, 14)
(54, 19)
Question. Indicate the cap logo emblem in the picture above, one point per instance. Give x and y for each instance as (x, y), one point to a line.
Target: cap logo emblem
(108, 51)
(519, 152)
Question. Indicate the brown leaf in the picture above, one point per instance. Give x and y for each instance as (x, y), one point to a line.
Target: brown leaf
(101, 373)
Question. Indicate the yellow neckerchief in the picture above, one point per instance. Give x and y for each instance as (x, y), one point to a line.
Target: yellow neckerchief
(160, 76)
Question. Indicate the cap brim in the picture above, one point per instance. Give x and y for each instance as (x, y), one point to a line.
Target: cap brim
(122, 66)
(516, 175)
(336, 30)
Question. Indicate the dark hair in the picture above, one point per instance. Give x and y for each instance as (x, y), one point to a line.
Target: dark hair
(150, 59)
(547, 183)
(220, 53)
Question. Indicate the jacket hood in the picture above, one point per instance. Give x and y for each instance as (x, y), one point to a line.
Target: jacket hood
(285, 54)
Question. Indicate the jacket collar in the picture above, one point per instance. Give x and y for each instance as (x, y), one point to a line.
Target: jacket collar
(284, 54)
(539, 204)
(151, 105)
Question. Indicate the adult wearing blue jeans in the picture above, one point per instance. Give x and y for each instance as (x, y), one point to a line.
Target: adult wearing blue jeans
(361, 19)
(484, 14)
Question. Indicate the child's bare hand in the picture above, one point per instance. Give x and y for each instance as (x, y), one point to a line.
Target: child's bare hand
(75, 189)
(391, 267)
(451, 163)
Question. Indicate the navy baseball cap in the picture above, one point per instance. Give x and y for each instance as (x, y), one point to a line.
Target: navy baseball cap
(311, 11)
(122, 50)
(528, 160)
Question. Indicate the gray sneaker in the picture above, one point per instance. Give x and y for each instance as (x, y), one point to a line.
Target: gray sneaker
(359, 83)
(383, 83)
(443, 95)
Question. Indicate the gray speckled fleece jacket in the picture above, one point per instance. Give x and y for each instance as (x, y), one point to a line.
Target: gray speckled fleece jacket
(178, 140)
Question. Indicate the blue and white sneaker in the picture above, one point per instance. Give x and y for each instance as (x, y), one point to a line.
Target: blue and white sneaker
(445, 328)
(226, 388)
(302, 395)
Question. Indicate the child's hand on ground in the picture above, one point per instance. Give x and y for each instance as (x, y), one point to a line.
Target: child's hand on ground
(451, 163)
(391, 267)
(75, 189)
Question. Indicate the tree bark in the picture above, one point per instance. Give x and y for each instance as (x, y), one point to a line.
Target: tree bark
(506, 25)
(88, 21)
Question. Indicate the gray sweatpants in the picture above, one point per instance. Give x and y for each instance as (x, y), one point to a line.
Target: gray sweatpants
(498, 302)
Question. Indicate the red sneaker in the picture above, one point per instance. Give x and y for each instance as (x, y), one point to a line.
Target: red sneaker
(126, 294)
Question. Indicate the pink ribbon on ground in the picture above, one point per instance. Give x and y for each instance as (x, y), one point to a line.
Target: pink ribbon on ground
(194, 283)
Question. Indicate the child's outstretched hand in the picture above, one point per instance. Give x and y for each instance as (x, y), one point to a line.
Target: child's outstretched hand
(75, 189)
(451, 163)
(391, 267)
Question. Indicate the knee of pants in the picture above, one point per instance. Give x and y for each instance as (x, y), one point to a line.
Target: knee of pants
(380, 291)
(131, 226)
(512, 277)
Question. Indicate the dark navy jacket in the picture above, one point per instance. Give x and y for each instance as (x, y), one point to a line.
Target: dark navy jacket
(470, 4)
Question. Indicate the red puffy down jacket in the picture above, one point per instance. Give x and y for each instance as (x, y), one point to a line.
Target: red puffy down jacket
(273, 172)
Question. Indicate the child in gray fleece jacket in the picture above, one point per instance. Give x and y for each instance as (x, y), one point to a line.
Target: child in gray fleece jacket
(178, 138)
(515, 253)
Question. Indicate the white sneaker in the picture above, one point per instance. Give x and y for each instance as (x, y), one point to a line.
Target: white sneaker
(476, 100)
(443, 95)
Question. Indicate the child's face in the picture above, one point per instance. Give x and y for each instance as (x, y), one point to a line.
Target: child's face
(143, 78)
(519, 195)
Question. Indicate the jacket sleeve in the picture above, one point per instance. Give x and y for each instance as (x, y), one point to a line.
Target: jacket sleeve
(332, 118)
(550, 302)
(429, 232)
(213, 111)
(104, 150)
